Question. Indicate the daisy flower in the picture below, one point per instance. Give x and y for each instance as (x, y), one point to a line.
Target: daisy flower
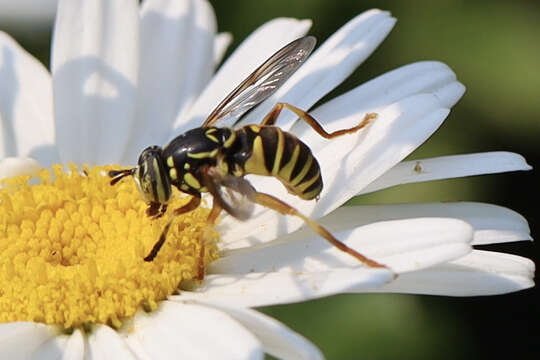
(124, 76)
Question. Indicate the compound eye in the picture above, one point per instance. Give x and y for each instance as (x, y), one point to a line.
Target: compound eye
(151, 176)
(143, 179)
(146, 184)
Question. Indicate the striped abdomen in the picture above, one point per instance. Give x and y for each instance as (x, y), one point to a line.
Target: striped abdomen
(270, 151)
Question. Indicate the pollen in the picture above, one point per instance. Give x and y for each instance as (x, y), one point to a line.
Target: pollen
(72, 249)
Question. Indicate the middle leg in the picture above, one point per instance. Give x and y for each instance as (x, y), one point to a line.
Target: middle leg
(211, 220)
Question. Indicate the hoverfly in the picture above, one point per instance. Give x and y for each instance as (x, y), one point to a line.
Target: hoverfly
(215, 159)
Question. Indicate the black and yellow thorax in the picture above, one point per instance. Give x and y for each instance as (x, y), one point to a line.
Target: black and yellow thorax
(187, 154)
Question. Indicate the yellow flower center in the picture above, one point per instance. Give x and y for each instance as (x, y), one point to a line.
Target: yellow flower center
(72, 249)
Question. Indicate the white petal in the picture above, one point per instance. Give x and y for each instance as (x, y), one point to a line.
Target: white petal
(348, 165)
(20, 340)
(301, 269)
(332, 63)
(74, 349)
(189, 331)
(277, 339)
(26, 114)
(94, 65)
(105, 343)
(260, 289)
(62, 347)
(221, 44)
(448, 167)
(491, 223)
(177, 45)
(479, 273)
(259, 46)
(425, 77)
(51, 349)
(403, 245)
(10, 167)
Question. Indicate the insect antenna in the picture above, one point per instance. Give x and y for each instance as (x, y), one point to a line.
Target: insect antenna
(118, 175)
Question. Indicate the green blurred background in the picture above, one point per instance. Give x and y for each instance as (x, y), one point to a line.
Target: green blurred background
(494, 47)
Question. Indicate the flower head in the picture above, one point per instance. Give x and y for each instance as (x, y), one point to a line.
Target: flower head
(78, 259)
(125, 77)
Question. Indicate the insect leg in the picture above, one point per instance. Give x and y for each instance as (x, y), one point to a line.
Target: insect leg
(211, 220)
(271, 117)
(191, 205)
(153, 209)
(214, 213)
(162, 211)
(274, 203)
(156, 210)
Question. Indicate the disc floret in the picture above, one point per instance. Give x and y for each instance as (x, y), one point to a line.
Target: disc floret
(72, 249)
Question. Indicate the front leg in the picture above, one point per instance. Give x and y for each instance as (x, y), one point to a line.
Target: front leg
(156, 210)
(153, 209)
(190, 206)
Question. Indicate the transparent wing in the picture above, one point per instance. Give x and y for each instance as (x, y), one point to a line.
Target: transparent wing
(234, 194)
(263, 82)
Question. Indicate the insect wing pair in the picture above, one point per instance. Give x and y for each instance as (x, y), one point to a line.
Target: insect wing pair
(235, 194)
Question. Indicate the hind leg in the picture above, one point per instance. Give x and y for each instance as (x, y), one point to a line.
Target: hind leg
(274, 203)
(271, 118)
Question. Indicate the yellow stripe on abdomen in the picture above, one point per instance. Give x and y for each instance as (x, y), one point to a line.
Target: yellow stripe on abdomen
(298, 170)
(277, 153)
(255, 164)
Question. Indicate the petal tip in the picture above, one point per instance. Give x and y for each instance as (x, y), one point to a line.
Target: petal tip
(375, 11)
